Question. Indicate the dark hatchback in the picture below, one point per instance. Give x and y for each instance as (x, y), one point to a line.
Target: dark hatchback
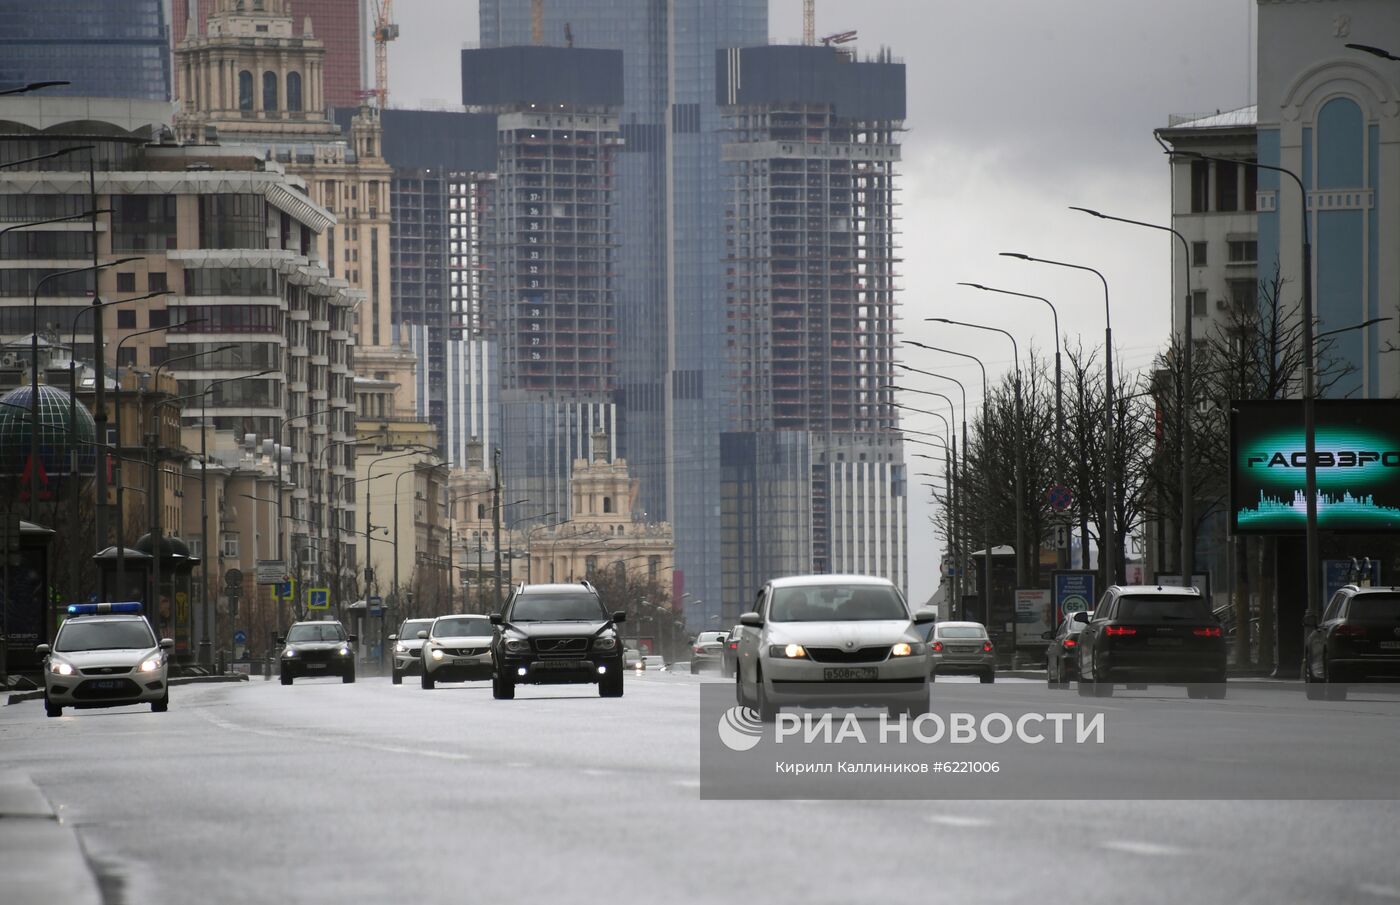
(317, 649)
(1062, 653)
(1151, 634)
(556, 634)
(1357, 640)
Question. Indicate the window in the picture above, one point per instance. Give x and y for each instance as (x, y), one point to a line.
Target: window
(158, 317)
(1198, 303)
(143, 222)
(1200, 186)
(156, 281)
(245, 90)
(607, 504)
(126, 282)
(126, 320)
(1227, 187)
(1251, 188)
(1244, 251)
(480, 511)
(229, 547)
(269, 91)
(1199, 257)
(126, 357)
(294, 91)
(159, 355)
(1242, 294)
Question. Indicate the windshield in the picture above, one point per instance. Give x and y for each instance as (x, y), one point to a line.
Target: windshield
(124, 635)
(1384, 608)
(461, 627)
(836, 603)
(581, 607)
(411, 627)
(1163, 608)
(316, 631)
(962, 631)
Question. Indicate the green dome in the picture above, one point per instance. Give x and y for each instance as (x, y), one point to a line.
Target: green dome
(55, 440)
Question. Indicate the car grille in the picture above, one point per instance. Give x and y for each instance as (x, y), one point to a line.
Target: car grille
(106, 671)
(465, 651)
(560, 648)
(859, 655)
(121, 688)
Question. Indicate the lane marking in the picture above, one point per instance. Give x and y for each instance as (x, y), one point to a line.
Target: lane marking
(958, 821)
(343, 742)
(1147, 849)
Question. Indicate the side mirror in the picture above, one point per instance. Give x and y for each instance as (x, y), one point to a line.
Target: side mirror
(752, 620)
(619, 616)
(423, 636)
(393, 637)
(496, 619)
(1309, 621)
(924, 615)
(354, 639)
(42, 650)
(1048, 636)
(167, 644)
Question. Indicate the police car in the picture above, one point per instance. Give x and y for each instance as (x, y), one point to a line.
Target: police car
(105, 655)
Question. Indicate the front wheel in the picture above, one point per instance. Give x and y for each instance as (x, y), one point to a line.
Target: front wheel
(502, 688)
(52, 709)
(396, 678)
(610, 685)
(349, 677)
(426, 680)
(286, 678)
(161, 706)
(767, 711)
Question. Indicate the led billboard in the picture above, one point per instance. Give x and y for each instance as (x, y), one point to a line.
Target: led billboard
(1357, 460)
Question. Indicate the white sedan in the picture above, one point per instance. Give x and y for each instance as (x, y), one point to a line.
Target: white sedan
(832, 640)
(105, 655)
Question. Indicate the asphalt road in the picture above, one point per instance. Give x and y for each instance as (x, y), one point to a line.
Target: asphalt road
(331, 793)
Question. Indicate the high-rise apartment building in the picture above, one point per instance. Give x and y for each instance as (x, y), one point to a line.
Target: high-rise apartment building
(548, 249)
(814, 474)
(105, 48)
(339, 24)
(671, 366)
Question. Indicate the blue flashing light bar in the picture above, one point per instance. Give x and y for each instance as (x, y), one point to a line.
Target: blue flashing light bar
(128, 608)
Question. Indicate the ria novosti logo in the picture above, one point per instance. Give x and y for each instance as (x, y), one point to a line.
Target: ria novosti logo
(740, 728)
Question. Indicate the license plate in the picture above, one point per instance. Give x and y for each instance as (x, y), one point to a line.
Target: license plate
(849, 673)
(105, 683)
(1164, 642)
(1390, 645)
(558, 664)
(315, 666)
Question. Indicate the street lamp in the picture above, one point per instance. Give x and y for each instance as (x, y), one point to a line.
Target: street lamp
(953, 502)
(38, 157)
(1188, 541)
(1107, 542)
(35, 86)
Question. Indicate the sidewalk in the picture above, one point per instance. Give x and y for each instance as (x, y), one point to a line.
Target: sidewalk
(41, 860)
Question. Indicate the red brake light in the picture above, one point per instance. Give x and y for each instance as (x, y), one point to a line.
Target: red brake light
(1351, 631)
(733, 645)
(1211, 632)
(937, 647)
(1118, 631)
(1070, 642)
(986, 647)
(699, 650)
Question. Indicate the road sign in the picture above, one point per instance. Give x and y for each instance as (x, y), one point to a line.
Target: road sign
(1060, 497)
(271, 571)
(240, 637)
(284, 590)
(1062, 533)
(233, 578)
(318, 599)
(1073, 591)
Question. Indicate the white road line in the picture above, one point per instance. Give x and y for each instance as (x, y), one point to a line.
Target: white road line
(302, 736)
(1379, 890)
(959, 822)
(1147, 849)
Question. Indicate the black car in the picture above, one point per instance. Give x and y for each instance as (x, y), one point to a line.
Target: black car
(729, 654)
(1358, 639)
(556, 634)
(1147, 634)
(317, 649)
(1062, 653)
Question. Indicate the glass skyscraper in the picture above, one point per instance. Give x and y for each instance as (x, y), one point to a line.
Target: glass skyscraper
(671, 352)
(105, 48)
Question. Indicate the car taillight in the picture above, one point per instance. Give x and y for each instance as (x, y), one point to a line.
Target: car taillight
(986, 647)
(937, 647)
(699, 650)
(733, 645)
(1070, 642)
(1119, 631)
(1208, 632)
(1351, 631)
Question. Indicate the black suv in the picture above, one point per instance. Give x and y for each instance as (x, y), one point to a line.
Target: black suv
(553, 634)
(1147, 634)
(317, 649)
(1357, 639)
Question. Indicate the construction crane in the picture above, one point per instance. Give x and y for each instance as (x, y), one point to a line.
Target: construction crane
(536, 21)
(385, 30)
(841, 37)
(809, 22)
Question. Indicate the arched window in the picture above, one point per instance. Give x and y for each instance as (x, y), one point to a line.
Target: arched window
(294, 91)
(269, 91)
(607, 504)
(245, 90)
(480, 511)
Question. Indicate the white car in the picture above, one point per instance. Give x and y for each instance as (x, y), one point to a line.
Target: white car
(653, 662)
(408, 649)
(105, 655)
(456, 649)
(833, 640)
(708, 649)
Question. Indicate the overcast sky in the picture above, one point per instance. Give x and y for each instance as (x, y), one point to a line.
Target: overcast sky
(1017, 109)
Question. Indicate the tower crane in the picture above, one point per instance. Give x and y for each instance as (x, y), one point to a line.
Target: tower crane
(385, 30)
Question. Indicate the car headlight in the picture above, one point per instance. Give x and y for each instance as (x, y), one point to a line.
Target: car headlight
(151, 664)
(787, 651)
(289, 652)
(517, 646)
(605, 642)
(905, 649)
(437, 654)
(345, 651)
(59, 668)
(400, 648)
